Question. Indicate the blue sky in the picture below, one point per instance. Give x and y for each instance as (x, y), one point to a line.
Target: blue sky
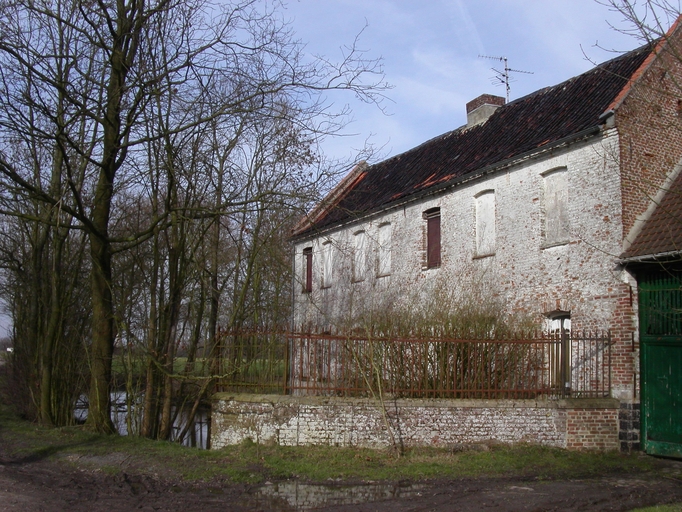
(431, 49)
(431, 54)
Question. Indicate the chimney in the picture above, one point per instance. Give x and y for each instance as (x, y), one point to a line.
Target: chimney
(480, 109)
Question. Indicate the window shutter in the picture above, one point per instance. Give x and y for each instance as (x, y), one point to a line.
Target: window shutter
(433, 241)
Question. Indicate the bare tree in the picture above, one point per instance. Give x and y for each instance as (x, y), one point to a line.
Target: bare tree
(116, 93)
(645, 20)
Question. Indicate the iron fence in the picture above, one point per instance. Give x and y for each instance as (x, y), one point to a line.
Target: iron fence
(252, 362)
(552, 366)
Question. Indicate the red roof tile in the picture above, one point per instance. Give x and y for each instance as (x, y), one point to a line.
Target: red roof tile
(662, 232)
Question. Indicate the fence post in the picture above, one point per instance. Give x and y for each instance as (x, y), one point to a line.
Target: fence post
(565, 360)
(287, 371)
(216, 360)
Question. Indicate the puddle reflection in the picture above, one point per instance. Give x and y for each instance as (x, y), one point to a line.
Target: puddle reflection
(285, 496)
(197, 436)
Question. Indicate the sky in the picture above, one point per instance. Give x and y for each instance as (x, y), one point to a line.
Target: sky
(431, 48)
(430, 51)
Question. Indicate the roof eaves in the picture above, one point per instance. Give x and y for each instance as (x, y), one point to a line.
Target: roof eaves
(654, 204)
(650, 257)
(583, 134)
(338, 192)
(588, 132)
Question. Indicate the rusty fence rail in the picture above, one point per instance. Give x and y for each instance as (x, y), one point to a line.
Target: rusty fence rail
(252, 362)
(553, 366)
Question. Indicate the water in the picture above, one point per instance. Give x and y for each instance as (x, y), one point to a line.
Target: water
(285, 496)
(195, 438)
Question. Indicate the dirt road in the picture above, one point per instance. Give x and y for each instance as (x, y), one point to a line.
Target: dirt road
(42, 485)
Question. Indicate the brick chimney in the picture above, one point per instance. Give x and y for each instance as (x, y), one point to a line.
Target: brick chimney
(480, 109)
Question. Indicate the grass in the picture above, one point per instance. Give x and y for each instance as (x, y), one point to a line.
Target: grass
(254, 463)
(138, 366)
(255, 372)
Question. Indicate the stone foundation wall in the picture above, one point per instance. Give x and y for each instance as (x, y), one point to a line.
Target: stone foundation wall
(292, 421)
(629, 429)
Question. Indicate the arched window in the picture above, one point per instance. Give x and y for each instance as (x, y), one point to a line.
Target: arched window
(485, 223)
(384, 250)
(556, 217)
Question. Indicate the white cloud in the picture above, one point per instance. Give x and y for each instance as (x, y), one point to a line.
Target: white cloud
(461, 19)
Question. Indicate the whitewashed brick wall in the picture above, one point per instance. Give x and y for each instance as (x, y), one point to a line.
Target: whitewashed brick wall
(581, 276)
(295, 421)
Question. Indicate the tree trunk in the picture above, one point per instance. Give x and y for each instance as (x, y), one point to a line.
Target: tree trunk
(99, 415)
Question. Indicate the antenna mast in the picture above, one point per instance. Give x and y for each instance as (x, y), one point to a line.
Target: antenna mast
(502, 77)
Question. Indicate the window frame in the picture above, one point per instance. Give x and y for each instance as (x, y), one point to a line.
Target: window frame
(327, 264)
(485, 238)
(433, 237)
(384, 249)
(359, 255)
(556, 225)
(307, 270)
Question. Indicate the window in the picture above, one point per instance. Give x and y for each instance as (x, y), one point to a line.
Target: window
(359, 256)
(556, 221)
(485, 223)
(560, 353)
(327, 264)
(432, 217)
(384, 250)
(308, 270)
(558, 324)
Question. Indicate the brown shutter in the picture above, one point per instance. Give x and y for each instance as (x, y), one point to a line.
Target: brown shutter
(308, 254)
(433, 241)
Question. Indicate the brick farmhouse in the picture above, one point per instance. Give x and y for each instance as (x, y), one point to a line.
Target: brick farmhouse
(564, 207)
(542, 202)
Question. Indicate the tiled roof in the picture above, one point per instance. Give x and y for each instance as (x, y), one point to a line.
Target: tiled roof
(662, 232)
(522, 126)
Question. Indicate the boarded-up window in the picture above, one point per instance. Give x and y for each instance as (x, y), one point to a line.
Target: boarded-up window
(327, 264)
(359, 256)
(308, 270)
(556, 208)
(485, 223)
(432, 217)
(384, 250)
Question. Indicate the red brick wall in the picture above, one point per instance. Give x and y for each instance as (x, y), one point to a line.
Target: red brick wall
(649, 123)
(592, 429)
(622, 331)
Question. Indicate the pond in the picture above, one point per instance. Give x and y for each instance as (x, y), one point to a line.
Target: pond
(197, 437)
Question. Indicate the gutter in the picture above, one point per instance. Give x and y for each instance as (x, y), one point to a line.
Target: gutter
(490, 169)
(650, 257)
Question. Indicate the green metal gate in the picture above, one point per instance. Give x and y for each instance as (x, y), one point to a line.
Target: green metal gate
(660, 315)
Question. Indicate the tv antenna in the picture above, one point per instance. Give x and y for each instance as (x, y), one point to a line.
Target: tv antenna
(502, 77)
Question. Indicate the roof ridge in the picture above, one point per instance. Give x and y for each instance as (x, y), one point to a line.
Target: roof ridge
(543, 90)
(599, 67)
